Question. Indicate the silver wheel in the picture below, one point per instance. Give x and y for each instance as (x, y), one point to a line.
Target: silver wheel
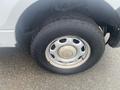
(68, 52)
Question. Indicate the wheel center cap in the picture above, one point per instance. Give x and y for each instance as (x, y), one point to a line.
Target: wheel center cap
(67, 52)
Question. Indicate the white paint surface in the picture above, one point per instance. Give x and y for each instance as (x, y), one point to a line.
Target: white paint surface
(11, 10)
(7, 39)
(114, 3)
(6, 7)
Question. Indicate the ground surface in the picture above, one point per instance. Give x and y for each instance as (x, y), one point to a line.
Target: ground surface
(18, 71)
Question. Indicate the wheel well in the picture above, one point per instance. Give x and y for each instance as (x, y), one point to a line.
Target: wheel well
(36, 15)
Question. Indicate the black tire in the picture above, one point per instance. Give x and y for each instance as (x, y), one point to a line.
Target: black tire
(82, 28)
(118, 10)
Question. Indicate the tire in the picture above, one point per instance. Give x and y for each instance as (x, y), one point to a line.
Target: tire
(118, 11)
(81, 28)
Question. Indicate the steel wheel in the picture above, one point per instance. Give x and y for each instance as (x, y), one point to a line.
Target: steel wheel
(68, 52)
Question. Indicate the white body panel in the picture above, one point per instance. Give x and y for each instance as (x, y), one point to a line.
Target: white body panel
(10, 11)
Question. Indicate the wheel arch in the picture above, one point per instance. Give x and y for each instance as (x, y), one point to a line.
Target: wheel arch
(99, 10)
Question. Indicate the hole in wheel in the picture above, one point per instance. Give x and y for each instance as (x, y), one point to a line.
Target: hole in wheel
(83, 48)
(80, 57)
(76, 41)
(63, 40)
(53, 47)
(52, 56)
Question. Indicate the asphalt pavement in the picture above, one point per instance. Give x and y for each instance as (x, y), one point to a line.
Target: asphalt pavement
(18, 71)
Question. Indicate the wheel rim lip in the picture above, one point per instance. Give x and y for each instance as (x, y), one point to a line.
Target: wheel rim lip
(76, 62)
